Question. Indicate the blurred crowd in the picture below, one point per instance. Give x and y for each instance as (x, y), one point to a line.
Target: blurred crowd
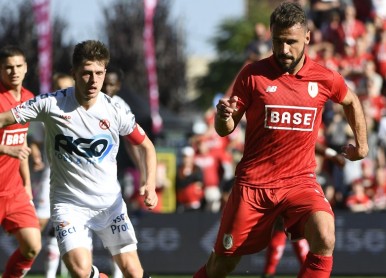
(348, 36)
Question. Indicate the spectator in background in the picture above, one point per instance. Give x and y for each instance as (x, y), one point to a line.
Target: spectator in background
(379, 198)
(189, 182)
(357, 200)
(41, 180)
(320, 10)
(210, 165)
(379, 52)
(350, 28)
(260, 46)
(18, 216)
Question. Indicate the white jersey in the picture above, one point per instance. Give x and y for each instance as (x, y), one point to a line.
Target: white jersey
(81, 145)
(120, 101)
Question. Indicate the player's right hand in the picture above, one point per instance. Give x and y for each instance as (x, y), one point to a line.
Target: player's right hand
(353, 153)
(151, 198)
(226, 107)
(20, 152)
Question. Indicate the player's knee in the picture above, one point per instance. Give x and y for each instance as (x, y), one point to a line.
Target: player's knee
(31, 250)
(134, 272)
(322, 241)
(221, 266)
(81, 268)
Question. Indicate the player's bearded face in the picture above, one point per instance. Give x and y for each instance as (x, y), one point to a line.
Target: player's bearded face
(295, 60)
(289, 46)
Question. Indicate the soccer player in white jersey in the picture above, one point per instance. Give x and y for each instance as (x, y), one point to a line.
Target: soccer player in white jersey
(83, 126)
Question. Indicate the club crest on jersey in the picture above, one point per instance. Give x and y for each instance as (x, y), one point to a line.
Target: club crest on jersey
(313, 89)
(227, 241)
(104, 124)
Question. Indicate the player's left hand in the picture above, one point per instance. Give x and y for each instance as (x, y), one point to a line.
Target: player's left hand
(353, 153)
(151, 198)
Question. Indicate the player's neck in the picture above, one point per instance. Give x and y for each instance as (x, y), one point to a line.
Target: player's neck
(86, 103)
(16, 93)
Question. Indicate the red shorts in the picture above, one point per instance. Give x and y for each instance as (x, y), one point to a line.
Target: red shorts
(17, 211)
(250, 214)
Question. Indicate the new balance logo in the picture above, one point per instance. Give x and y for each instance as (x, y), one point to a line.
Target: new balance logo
(271, 89)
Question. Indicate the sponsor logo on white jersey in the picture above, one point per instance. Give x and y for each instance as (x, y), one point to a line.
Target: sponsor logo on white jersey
(290, 117)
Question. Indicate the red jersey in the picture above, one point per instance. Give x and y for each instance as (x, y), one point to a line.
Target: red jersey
(13, 135)
(283, 113)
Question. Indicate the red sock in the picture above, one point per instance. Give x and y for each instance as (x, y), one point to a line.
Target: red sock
(274, 252)
(201, 273)
(301, 249)
(316, 266)
(17, 265)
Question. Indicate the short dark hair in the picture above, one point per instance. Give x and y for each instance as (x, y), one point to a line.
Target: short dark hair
(288, 14)
(90, 50)
(10, 51)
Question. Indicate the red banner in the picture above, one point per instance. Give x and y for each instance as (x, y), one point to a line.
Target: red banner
(150, 59)
(42, 18)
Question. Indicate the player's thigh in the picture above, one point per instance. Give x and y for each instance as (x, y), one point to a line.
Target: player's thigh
(299, 206)
(118, 234)
(320, 232)
(246, 223)
(71, 229)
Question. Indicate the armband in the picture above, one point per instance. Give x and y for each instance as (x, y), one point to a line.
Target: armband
(137, 136)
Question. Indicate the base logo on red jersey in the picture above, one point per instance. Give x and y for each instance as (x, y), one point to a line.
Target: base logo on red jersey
(14, 137)
(290, 117)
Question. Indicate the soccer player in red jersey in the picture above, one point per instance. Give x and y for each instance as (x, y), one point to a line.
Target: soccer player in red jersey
(282, 98)
(17, 213)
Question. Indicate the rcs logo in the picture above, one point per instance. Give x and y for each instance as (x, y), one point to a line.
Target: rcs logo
(97, 147)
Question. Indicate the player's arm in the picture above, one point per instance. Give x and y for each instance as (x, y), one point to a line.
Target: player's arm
(146, 159)
(228, 115)
(25, 175)
(6, 119)
(356, 119)
(20, 152)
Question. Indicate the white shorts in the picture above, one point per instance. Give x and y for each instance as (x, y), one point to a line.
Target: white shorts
(74, 225)
(41, 193)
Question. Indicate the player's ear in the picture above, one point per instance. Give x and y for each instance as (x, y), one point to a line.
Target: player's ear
(308, 37)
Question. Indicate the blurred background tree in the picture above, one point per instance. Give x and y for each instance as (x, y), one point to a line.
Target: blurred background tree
(230, 42)
(124, 23)
(17, 26)
(123, 30)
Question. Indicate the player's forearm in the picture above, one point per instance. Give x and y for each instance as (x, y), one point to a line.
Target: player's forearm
(6, 119)
(148, 163)
(224, 126)
(355, 118)
(26, 177)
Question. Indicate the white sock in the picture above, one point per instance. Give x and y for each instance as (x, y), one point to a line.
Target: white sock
(53, 258)
(94, 272)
